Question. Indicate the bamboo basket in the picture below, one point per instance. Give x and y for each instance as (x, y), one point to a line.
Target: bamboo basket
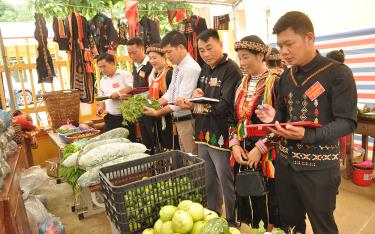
(62, 106)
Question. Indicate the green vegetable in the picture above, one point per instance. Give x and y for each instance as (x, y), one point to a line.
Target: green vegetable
(66, 131)
(70, 149)
(71, 174)
(132, 108)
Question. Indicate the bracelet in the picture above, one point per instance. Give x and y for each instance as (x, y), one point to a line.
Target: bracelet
(261, 147)
(233, 142)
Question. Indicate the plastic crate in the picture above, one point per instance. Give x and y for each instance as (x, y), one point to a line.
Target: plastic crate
(133, 202)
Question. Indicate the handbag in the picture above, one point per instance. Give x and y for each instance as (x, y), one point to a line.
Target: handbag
(249, 182)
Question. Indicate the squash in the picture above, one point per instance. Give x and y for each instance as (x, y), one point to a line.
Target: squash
(108, 152)
(114, 133)
(91, 177)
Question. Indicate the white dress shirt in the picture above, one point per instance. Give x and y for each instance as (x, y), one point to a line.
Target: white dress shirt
(108, 85)
(184, 81)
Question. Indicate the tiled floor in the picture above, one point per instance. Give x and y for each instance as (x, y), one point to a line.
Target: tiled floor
(355, 211)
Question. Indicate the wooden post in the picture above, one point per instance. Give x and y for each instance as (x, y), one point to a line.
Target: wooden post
(12, 99)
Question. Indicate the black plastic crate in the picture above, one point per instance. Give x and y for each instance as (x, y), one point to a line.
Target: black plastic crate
(133, 201)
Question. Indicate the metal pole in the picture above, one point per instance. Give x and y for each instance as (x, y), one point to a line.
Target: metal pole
(7, 74)
(234, 22)
(234, 6)
(268, 13)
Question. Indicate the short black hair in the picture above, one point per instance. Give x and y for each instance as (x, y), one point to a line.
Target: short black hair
(207, 34)
(337, 55)
(296, 20)
(271, 62)
(274, 63)
(107, 57)
(135, 41)
(174, 38)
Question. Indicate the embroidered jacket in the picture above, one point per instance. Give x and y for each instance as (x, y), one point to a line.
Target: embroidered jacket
(323, 92)
(159, 83)
(140, 78)
(250, 94)
(219, 83)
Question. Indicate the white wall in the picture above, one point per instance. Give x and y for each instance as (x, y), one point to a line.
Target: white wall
(328, 16)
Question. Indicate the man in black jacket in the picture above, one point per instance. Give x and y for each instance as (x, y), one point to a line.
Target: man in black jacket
(217, 80)
(318, 90)
(141, 71)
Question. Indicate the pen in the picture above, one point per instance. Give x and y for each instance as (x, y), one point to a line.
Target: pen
(262, 105)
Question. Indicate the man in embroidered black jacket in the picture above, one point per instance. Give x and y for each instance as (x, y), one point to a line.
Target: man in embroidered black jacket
(217, 80)
(313, 89)
(141, 71)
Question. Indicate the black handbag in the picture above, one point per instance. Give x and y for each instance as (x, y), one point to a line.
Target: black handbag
(249, 182)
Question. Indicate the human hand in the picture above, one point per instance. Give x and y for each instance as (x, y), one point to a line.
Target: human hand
(239, 155)
(289, 132)
(254, 157)
(183, 103)
(149, 111)
(266, 113)
(197, 93)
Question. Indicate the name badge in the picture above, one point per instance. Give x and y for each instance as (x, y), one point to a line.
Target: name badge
(213, 82)
(315, 91)
(115, 85)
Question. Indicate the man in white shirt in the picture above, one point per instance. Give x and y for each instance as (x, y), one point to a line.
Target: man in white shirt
(115, 84)
(184, 81)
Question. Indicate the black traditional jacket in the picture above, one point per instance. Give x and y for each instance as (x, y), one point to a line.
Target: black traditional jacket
(323, 92)
(219, 83)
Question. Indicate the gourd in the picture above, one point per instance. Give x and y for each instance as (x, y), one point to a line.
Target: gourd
(108, 152)
(91, 176)
(114, 133)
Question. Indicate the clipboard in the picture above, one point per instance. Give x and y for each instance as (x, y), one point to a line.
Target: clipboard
(262, 129)
(201, 100)
(100, 99)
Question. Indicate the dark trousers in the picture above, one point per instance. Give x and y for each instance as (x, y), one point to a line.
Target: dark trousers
(112, 122)
(147, 126)
(219, 180)
(115, 121)
(153, 136)
(311, 192)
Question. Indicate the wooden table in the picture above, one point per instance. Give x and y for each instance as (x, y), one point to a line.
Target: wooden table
(13, 218)
(366, 129)
(55, 139)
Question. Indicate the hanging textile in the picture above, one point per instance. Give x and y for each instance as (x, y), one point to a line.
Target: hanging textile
(131, 14)
(148, 30)
(104, 33)
(80, 56)
(192, 27)
(44, 65)
(179, 14)
(61, 30)
(122, 33)
(221, 22)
